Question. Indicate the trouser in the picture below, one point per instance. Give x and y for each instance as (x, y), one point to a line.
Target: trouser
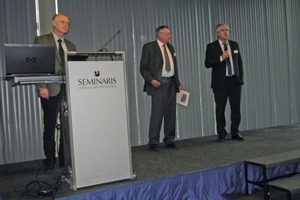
(232, 90)
(50, 111)
(163, 107)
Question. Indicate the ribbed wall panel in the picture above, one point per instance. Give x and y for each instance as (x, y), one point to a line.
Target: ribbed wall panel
(20, 133)
(293, 39)
(265, 31)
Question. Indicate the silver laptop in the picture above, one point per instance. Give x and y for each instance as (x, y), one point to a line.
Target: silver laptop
(29, 59)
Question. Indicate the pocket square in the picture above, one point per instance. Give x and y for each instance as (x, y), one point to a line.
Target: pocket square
(235, 51)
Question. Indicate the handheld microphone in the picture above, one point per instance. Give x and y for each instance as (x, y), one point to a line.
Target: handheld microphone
(225, 47)
(113, 37)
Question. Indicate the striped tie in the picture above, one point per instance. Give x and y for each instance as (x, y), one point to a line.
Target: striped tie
(167, 59)
(228, 64)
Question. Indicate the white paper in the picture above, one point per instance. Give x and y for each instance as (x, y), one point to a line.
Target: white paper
(183, 98)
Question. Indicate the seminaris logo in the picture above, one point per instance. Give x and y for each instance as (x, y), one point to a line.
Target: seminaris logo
(97, 79)
(97, 72)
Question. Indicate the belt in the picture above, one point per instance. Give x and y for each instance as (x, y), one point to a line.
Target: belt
(233, 76)
(167, 78)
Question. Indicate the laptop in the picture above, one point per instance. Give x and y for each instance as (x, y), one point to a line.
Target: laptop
(29, 59)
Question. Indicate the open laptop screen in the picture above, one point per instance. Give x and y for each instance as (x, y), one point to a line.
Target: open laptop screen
(29, 59)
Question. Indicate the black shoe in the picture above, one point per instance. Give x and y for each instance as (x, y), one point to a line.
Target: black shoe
(48, 167)
(46, 161)
(171, 145)
(221, 138)
(237, 136)
(61, 163)
(48, 164)
(153, 147)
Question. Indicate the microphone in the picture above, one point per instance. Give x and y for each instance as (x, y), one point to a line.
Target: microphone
(225, 47)
(113, 37)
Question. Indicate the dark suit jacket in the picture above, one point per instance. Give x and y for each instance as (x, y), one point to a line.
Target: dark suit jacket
(212, 60)
(151, 66)
(54, 89)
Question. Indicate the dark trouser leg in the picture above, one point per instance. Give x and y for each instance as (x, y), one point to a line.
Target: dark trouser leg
(157, 108)
(170, 113)
(235, 104)
(63, 128)
(49, 107)
(220, 96)
(163, 106)
(61, 151)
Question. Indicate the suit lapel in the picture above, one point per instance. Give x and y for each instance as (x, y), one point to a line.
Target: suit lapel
(53, 42)
(234, 58)
(157, 50)
(218, 48)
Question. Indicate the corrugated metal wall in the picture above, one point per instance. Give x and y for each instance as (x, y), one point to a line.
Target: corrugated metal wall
(267, 32)
(20, 133)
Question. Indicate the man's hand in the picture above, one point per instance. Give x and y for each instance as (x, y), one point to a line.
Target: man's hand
(44, 93)
(225, 55)
(155, 83)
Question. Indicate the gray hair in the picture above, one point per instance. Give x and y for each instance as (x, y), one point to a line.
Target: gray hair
(158, 29)
(60, 14)
(219, 25)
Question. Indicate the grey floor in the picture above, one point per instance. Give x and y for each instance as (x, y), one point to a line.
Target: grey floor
(19, 181)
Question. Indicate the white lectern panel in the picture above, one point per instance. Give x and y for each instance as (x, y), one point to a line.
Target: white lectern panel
(98, 121)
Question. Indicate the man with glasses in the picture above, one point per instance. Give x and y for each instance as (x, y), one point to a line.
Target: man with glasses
(158, 67)
(51, 93)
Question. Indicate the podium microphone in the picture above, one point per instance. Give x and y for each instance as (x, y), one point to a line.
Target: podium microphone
(113, 37)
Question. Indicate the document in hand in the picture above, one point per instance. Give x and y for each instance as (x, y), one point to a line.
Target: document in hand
(183, 98)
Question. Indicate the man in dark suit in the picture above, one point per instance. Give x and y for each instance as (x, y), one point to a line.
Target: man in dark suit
(223, 56)
(158, 67)
(51, 94)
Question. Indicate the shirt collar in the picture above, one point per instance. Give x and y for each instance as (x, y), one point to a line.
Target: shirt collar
(57, 38)
(221, 43)
(160, 43)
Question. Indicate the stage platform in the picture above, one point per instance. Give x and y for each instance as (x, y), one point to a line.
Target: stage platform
(200, 168)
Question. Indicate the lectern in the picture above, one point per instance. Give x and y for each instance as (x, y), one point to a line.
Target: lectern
(97, 100)
(95, 120)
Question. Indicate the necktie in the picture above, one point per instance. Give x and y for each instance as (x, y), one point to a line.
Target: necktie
(61, 53)
(228, 64)
(167, 59)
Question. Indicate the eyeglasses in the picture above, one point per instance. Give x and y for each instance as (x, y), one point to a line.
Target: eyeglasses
(166, 33)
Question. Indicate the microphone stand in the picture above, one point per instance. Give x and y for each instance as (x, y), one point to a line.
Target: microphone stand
(113, 37)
